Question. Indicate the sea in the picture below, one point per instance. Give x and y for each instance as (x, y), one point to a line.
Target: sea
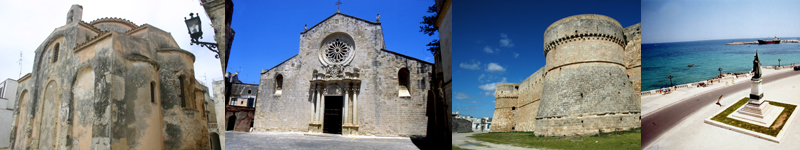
(659, 60)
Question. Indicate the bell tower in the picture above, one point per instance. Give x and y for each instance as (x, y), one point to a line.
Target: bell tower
(75, 13)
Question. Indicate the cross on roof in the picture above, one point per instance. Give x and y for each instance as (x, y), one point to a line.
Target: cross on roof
(338, 3)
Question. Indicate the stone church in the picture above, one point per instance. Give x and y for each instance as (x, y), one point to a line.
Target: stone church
(589, 84)
(344, 81)
(110, 84)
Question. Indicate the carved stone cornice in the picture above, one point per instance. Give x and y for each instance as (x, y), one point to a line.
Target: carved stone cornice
(336, 72)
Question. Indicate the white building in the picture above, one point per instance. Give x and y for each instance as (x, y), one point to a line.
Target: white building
(8, 94)
(477, 123)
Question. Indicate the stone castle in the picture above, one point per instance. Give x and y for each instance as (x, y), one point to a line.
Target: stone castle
(344, 81)
(589, 84)
(110, 84)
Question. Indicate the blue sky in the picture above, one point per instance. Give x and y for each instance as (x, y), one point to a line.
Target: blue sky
(688, 20)
(30, 22)
(267, 33)
(501, 41)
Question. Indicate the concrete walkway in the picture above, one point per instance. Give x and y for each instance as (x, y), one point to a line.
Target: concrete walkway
(302, 141)
(693, 133)
(653, 103)
(463, 141)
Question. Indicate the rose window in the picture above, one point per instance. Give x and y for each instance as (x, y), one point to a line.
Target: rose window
(337, 51)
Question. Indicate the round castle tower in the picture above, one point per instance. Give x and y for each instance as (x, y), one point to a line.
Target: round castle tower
(505, 108)
(586, 87)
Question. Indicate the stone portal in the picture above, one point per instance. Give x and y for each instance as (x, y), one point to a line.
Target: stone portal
(333, 115)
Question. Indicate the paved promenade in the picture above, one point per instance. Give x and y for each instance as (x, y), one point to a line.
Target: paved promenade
(463, 141)
(675, 121)
(302, 141)
(652, 103)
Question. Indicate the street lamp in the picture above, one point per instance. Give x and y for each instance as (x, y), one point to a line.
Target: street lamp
(720, 71)
(670, 80)
(196, 32)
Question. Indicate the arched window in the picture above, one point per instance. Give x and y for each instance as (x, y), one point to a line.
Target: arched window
(55, 53)
(403, 84)
(278, 84)
(152, 91)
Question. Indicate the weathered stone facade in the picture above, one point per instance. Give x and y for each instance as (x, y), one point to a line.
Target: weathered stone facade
(587, 85)
(343, 68)
(110, 84)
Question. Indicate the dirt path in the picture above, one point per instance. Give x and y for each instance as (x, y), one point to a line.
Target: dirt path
(463, 141)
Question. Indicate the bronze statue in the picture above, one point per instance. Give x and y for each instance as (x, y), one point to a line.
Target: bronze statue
(756, 67)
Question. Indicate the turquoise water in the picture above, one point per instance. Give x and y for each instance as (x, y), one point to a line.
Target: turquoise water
(660, 60)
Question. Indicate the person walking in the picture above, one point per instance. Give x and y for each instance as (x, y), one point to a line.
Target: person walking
(720, 98)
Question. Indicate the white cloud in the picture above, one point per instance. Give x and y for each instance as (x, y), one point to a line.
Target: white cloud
(472, 65)
(474, 102)
(516, 54)
(505, 41)
(491, 86)
(462, 96)
(489, 50)
(31, 29)
(494, 67)
(480, 78)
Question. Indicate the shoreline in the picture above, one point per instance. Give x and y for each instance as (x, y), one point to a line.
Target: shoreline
(727, 78)
(651, 103)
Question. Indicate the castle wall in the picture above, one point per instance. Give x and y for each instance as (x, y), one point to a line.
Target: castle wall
(530, 94)
(506, 107)
(585, 49)
(633, 56)
(588, 84)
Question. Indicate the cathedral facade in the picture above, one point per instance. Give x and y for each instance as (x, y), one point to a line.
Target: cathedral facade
(110, 84)
(344, 81)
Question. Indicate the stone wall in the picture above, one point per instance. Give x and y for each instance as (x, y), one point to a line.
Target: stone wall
(381, 111)
(462, 125)
(585, 49)
(633, 55)
(530, 91)
(588, 85)
(506, 104)
(219, 102)
(240, 117)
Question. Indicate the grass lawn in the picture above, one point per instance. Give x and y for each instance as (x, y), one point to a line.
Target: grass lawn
(630, 139)
(773, 130)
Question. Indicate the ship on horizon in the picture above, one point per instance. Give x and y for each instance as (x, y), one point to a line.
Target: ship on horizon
(775, 40)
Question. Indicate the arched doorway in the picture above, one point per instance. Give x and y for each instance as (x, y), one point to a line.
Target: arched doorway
(231, 123)
(215, 143)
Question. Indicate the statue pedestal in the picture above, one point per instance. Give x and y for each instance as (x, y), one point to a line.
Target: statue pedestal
(757, 111)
